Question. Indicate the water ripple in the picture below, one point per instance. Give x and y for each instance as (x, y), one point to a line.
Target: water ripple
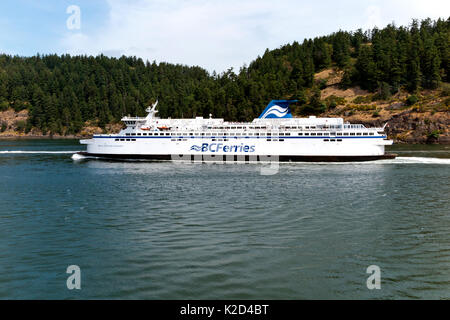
(191, 231)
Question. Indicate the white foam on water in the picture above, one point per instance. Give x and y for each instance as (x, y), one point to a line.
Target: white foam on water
(77, 157)
(36, 152)
(415, 160)
(398, 160)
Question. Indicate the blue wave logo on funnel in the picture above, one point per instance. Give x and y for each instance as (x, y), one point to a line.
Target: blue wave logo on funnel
(277, 109)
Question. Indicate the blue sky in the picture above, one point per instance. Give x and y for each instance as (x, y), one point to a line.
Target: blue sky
(214, 34)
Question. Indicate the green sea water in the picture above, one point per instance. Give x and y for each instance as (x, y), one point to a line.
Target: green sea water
(162, 230)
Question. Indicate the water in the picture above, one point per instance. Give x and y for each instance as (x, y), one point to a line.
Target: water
(143, 230)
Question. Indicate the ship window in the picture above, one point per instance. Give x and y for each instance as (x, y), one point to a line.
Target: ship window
(352, 133)
(133, 134)
(219, 139)
(122, 139)
(365, 133)
(269, 133)
(191, 133)
(313, 127)
(319, 134)
(202, 133)
(150, 134)
(144, 134)
(345, 133)
(250, 134)
(238, 134)
(138, 134)
(127, 134)
(281, 134)
(213, 139)
(300, 133)
(371, 133)
(128, 139)
(333, 140)
(339, 140)
(257, 134)
(269, 139)
(225, 134)
(281, 140)
(339, 134)
(225, 139)
(307, 127)
(233, 127)
(288, 134)
(313, 133)
(306, 134)
(208, 133)
(359, 133)
(117, 140)
(133, 139)
(275, 139)
(326, 140)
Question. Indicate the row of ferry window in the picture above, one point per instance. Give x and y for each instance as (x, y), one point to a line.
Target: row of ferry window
(264, 128)
(251, 134)
(281, 140)
(286, 127)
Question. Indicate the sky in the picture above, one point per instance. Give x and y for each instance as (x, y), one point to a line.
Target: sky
(213, 34)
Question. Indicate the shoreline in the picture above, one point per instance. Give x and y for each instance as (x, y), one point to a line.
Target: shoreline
(74, 137)
(43, 137)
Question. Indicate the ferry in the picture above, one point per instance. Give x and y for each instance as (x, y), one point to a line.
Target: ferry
(274, 136)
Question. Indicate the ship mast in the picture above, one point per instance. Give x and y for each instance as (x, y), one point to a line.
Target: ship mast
(151, 111)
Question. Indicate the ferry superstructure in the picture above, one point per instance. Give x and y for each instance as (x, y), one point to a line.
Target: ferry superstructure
(275, 136)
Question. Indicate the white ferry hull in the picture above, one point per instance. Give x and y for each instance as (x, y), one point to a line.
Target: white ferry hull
(242, 149)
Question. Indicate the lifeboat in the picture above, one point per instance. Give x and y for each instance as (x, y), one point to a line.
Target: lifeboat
(145, 128)
(163, 128)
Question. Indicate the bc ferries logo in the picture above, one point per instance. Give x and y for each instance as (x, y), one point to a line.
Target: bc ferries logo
(220, 147)
(277, 109)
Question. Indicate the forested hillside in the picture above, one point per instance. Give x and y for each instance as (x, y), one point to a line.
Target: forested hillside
(63, 93)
